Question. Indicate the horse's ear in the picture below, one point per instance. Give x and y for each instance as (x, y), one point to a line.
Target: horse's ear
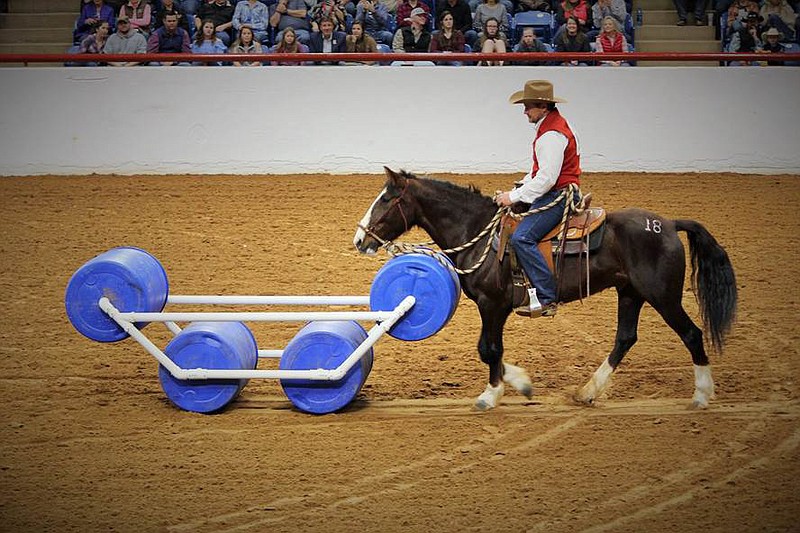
(393, 178)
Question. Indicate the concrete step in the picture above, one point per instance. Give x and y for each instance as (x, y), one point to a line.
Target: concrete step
(668, 17)
(667, 32)
(644, 45)
(34, 48)
(38, 20)
(43, 6)
(649, 5)
(36, 35)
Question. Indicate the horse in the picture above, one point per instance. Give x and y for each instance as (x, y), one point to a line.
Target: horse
(640, 256)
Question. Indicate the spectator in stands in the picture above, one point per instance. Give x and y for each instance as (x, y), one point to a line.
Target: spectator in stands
(737, 14)
(747, 39)
(611, 39)
(207, 42)
(376, 20)
(779, 14)
(290, 14)
(529, 43)
(573, 8)
(532, 5)
(447, 38)
(404, 13)
(171, 6)
(91, 14)
(610, 8)
(95, 41)
(682, 7)
(253, 14)
(139, 12)
(190, 6)
(246, 44)
(327, 41)
(115, 5)
(288, 44)
(125, 40)
(360, 42)
(462, 18)
(221, 12)
(492, 41)
(771, 44)
(413, 38)
(572, 39)
(490, 9)
(331, 9)
(169, 39)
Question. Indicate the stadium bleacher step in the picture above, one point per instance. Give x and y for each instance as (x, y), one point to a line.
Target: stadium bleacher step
(660, 33)
(35, 35)
(34, 48)
(43, 6)
(38, 20)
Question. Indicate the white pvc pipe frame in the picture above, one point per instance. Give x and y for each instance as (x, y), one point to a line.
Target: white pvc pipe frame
(384, 321)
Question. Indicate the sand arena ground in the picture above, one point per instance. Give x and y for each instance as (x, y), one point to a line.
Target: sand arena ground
(89, 442)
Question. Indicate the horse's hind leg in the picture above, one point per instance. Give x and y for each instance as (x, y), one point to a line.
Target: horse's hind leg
(692, 337)
(629, 305)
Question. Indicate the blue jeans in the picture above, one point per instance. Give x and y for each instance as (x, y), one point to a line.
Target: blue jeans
(525, 239)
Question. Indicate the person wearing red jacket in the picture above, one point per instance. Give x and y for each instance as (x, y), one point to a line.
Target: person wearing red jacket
(556, 165)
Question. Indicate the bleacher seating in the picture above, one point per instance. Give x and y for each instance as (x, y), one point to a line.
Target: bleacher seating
(541, 22)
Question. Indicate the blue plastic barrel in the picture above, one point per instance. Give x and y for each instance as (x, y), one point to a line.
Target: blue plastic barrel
(212, 345)
(325, 344)
(434, 286)
(132, 279)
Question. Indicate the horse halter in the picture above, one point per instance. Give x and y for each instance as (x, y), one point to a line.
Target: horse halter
(395, 203)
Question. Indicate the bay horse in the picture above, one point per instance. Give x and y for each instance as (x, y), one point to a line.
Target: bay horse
(640, 255)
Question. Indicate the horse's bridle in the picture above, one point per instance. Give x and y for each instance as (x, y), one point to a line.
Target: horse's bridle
(395, 203)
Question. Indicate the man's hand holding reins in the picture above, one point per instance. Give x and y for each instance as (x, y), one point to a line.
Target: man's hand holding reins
(503, 199)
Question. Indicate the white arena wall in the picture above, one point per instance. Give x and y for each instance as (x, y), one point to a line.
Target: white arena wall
(286, 120)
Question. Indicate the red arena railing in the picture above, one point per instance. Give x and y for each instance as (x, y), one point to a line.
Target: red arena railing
(385, 58)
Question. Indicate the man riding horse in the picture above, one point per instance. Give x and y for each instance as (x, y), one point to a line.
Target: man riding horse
(556, 165)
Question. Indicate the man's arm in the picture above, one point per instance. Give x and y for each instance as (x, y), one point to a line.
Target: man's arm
(550, 155)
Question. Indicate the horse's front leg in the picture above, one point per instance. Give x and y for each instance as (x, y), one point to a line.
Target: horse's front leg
(490, 348)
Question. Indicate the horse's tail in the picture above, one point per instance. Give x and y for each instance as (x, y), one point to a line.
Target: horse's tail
(713, 281)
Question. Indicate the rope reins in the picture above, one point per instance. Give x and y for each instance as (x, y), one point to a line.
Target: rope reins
(400, 248)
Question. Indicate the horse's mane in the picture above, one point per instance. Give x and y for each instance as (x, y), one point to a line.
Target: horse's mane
(450, 189)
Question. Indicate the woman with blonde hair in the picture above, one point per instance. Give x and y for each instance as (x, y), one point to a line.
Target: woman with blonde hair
(610, 39)
(288, 45)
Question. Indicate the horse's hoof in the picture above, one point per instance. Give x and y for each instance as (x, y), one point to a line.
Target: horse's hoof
(483, 405)
(527, 391)
(588, 402)
(697, 405)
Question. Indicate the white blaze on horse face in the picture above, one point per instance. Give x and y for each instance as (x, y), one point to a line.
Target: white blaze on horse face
(360, 233)
(703, 386)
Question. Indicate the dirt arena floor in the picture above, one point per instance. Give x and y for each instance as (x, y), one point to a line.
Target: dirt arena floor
(89, 441)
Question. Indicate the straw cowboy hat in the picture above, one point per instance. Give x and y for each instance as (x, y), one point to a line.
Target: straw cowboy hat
(535, 91)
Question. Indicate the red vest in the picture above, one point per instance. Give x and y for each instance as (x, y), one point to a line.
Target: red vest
(571, 167)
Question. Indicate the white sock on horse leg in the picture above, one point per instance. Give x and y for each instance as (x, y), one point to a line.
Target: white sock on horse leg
(490, 397)
(518, 378)
(703, 386)
(595, 387)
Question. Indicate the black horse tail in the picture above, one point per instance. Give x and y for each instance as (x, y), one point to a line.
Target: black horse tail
(713, 281)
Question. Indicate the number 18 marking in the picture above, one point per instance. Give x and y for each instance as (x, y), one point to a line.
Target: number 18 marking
(653, 225)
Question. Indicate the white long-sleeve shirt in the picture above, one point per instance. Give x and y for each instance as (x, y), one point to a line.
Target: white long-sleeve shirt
(549, 150)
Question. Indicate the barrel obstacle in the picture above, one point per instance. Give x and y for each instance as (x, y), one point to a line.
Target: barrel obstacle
(211, 358)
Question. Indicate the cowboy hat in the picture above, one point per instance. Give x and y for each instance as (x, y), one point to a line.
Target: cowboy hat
(535, 91)
(771, 32)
